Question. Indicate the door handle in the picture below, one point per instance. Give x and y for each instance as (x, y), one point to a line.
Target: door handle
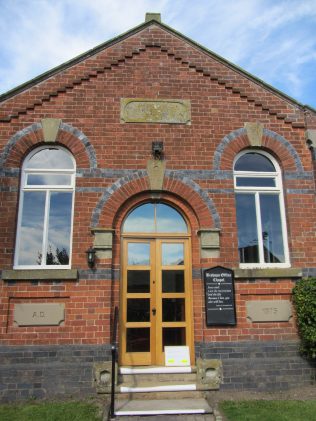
(153, 310)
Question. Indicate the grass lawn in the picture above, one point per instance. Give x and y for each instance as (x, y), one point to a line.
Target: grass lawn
(266, 410)
(51, 411)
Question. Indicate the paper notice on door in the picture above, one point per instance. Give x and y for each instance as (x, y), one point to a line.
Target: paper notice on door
(177, 356)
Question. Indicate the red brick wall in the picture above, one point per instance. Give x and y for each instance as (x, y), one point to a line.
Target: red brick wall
(152, 64)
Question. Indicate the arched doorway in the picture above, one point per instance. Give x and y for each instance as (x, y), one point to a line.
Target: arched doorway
(156, 304)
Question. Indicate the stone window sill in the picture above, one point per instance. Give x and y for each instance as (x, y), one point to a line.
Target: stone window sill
(40, 274)
(268, 273)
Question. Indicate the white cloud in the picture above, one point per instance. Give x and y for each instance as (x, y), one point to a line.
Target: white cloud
(276, 40)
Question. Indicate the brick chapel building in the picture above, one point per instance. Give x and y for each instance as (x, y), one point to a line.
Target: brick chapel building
(166, 160)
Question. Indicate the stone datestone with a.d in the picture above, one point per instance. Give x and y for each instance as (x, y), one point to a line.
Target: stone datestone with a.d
(39, 314)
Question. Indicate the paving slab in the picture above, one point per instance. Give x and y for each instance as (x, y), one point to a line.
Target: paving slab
(162, 407)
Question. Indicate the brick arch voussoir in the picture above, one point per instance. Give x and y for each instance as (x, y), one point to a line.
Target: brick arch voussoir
(190, 196)
(115, 197)
(75, 146)
(22, 142)
(272, 142)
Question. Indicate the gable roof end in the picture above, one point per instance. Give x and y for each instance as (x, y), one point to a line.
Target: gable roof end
(151, 19)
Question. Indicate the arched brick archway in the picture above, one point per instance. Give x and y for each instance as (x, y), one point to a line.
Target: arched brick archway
(20, 144)
(122, 193)
(237, 140)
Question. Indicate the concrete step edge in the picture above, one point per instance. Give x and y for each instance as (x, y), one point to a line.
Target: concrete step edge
(160, 388)
(163, 407)
(156, 370)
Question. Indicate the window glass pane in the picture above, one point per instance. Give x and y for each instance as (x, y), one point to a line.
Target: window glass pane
(172, 254)
(31, 230)
(273, 248)
(138, 310)
(172, 281)
(138, 340)
(48, 179)
(255, 182)
(173, 336)
(59, 229)
(247, 228)
(138, 281)
(51, 158)
(141, 219)
(253, 161)
(173, 310)
(138, 253)
(169, 220)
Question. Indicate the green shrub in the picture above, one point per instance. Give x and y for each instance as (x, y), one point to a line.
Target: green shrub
(304, 296)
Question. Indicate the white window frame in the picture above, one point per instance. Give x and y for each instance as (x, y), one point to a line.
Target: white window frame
(48, 189)
(277, 190)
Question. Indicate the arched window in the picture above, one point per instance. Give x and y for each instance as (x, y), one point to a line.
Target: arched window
(262, 239)
(46, 210)
(155, 217)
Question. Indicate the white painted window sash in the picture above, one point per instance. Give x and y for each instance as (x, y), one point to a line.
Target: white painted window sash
(48, 189)
(257, 190)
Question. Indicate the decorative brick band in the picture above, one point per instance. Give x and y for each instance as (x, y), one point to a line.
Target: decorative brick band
(309, 272)
(231, 137)
(49, 371)
(259, 366)
(36, 127)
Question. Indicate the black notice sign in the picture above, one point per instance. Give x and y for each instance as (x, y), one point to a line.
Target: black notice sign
(219, 296)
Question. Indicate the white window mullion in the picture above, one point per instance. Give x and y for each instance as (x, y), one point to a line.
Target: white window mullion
(259, 228)
(45, 228)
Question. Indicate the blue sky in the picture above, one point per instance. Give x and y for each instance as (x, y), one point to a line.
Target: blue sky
(274, 40)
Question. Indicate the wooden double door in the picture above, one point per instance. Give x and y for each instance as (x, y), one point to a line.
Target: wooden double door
(155, 299)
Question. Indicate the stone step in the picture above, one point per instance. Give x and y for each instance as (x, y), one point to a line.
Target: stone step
(154, 387)
(182, 394)
(162, 407)
(135, 379)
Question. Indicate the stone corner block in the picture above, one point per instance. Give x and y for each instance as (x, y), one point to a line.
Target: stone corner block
(102, 376)
(103, 242)
(254, 133)
(310, 136)
(209, 374)
(209, 242)
(50, 128)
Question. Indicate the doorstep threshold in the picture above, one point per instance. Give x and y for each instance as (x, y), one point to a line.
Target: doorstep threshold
(163, 388)
(155, 370)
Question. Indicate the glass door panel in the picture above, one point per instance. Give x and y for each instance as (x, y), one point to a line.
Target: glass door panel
(156, 299)
(138, 281)
(136, 302)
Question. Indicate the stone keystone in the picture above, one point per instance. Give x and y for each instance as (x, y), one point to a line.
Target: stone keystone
(254, 133)
(50, 128)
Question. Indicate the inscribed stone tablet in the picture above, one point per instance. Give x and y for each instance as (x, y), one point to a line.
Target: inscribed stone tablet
(29, 314)
(269, 310)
